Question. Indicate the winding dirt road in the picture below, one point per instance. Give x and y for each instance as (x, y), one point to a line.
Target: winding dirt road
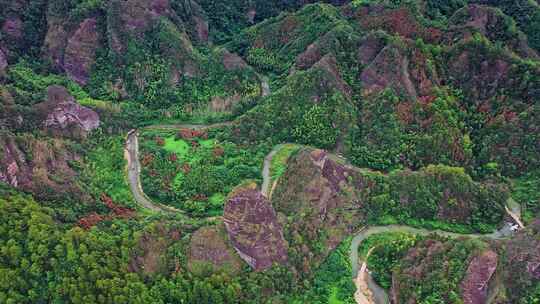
(131, 154)
(266, 187)
(376, 294)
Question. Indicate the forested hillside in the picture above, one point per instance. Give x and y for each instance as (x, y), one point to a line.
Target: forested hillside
(250, 151)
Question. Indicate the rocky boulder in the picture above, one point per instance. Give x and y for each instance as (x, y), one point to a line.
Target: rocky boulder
(253, 228)
(13, 28)
(80, 53)
(64, 116)
(208, 247)
(479, 273)
(232, 61)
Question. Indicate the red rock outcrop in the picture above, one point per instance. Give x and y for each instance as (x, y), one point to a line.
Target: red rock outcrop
(399, 21)
(72, 47)
(479, 273)
(80, 53)
(55, 42)
(370, 47)
(253, 228)
(64, 116)
(201, 28)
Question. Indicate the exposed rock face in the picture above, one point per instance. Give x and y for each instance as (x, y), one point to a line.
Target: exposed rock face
(483, 78)
(253, 228)
(389, 69)
(37, 166)
(479, 273)
(65, 117)
(232, 61)
(523, 253)
(208, 247)
(393, 68)
(80, 53)
(329, 64)
(369, 48)
(309, 57)
(14, 168)
(151, 250)
(224, 104)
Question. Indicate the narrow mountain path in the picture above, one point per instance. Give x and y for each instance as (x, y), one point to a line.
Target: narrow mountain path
(363, 294)
(514, 211)
(267, 179)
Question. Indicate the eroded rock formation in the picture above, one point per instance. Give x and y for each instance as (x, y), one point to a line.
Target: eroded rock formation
(254, 230)
(64, 116)
(80, 54)
(479, 273)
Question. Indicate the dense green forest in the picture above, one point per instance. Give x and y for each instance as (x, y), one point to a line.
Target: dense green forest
(240, 151)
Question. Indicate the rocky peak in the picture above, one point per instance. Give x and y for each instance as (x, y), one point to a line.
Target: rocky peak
(65, 116)
(253, 228)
